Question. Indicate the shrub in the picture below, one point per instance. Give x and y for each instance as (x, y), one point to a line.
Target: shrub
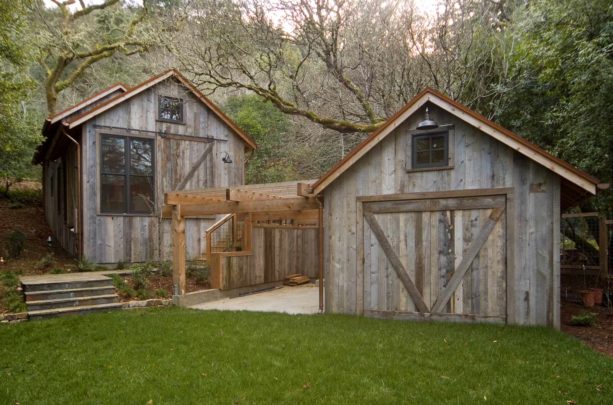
(11, 295)
(15, 243)
(143, 294)
(26, 197)
(199, 272)
(122, 287)
(139, 280)
(120, 265)
(85, 265)
(140, 274)
(165, 268)
(46, 262)
(584, 319)
(161, 293)
(57, 270)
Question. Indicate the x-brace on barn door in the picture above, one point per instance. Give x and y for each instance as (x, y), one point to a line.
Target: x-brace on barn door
(441, 256)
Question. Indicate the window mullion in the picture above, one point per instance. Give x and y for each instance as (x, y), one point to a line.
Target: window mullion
(127, 170)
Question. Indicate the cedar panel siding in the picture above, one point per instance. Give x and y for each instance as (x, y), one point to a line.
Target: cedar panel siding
(478, 162)
(109, 238)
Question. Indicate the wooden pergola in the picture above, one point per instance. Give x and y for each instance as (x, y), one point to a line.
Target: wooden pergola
(287, 201)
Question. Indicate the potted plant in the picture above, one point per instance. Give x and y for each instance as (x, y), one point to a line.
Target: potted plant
(588, 298)
(597, 295)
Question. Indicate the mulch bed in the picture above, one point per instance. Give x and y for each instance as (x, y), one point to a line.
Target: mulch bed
(31, 221)
(165, 283)
(600, 336)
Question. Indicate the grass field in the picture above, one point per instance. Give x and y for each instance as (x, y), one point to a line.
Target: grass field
(180, 356)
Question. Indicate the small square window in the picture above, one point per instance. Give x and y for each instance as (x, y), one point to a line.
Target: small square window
(430, 150)
(170, 109)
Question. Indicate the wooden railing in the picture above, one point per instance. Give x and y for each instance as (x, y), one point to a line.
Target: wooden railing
(230, 234)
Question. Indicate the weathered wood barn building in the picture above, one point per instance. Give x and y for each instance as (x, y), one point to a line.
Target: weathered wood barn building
(440, 216)
(108, 160)
(449, 216)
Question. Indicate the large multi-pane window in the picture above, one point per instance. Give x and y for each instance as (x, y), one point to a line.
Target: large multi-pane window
(126, 175)
(170, 109)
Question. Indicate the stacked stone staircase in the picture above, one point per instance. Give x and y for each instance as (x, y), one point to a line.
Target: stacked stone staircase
(66, 294)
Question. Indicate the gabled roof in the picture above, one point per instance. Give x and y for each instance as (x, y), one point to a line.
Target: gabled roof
(54, 119)
(117, 87)
(578, 179)
(79, 119)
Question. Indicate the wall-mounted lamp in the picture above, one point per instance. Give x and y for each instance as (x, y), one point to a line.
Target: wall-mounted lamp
(226, 158)
(49, 241)
(427, 123)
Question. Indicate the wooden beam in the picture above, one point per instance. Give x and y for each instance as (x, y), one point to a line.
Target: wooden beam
(580, 215)
(320, 251)
(467, 258)
(177, 197)
(249, 195)
(277, 226)
(195, 166)
(603, 245)
(178, 251)
(474, 192)
(303, 216)
(416, 316)
(304, 190)
(232, 207)
(166, 213)
(396, 263)
(450, 204)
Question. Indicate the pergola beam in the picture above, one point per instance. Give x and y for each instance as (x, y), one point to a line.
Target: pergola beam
(300, 216)
(248, 195)
(257, 206)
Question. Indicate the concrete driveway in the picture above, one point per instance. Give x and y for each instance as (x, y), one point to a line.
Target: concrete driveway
(302, 299)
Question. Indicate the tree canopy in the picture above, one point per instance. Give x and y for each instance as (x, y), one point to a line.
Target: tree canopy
(313, 77)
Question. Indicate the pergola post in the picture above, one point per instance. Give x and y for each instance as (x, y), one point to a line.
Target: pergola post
(178, 252)
(603, 245)
(320, 248)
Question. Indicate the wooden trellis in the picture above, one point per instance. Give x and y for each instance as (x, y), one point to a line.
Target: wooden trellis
(280, 203)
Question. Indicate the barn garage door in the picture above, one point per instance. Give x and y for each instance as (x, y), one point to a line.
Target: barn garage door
(435, 258)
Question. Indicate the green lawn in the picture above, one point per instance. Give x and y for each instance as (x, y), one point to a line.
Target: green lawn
(180, 356)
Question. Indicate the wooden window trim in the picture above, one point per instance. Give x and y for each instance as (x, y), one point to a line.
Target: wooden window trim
(179, 122)
(99, 173)
(448, 131)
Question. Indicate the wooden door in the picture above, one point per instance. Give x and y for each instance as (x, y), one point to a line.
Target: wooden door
(435, 258)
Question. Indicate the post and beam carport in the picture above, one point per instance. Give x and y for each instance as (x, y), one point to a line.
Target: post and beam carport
(287, 201)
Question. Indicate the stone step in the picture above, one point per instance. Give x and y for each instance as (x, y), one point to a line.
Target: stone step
(68, 293)
(72, 302)
(54, 312)
(54, 285)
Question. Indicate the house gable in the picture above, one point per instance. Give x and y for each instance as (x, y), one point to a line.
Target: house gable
(573, 176)
(121, 98)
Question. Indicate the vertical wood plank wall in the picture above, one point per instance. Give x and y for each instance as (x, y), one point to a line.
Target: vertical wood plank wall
(113, 238)
(479, 161)
(59, 195)
(276, 254)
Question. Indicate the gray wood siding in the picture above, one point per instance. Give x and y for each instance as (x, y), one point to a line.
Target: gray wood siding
(479, 162)
(55, 202)
(113, 238)
(276, 253)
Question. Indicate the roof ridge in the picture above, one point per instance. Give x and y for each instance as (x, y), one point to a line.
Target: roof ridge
(89, 98)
